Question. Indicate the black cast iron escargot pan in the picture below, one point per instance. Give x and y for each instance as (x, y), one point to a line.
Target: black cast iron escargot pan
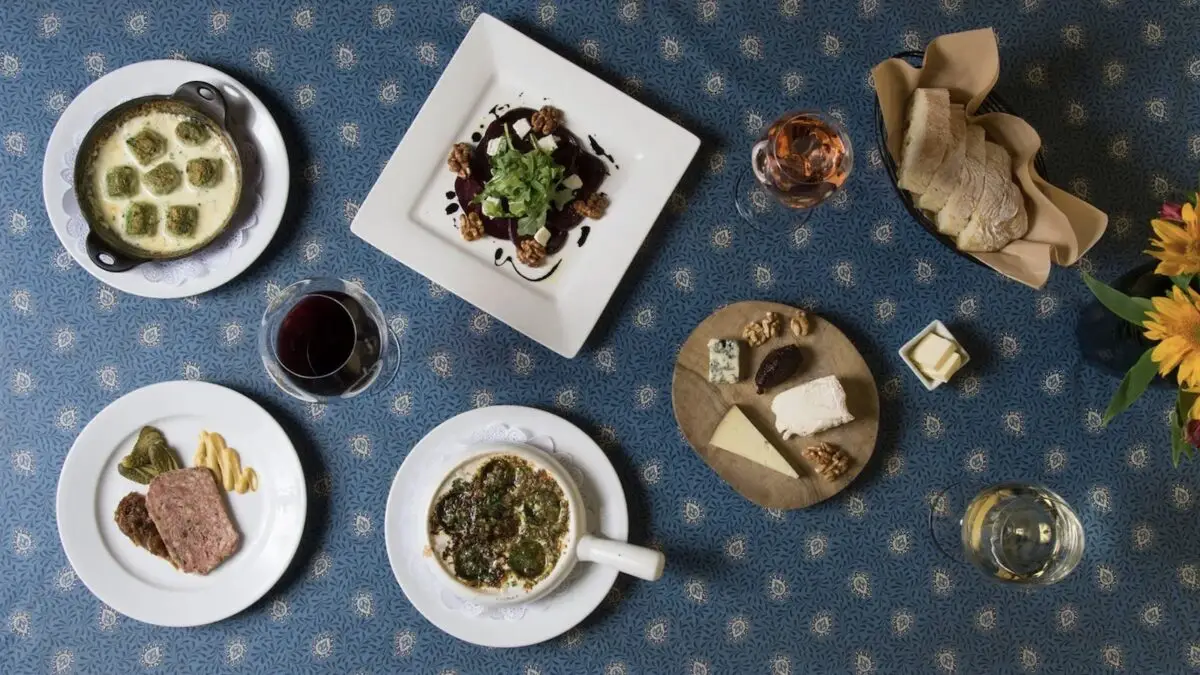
(200, 103)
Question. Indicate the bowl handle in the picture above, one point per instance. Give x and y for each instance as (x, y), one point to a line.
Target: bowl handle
(204, 96)
(107, 259)
(641, 562)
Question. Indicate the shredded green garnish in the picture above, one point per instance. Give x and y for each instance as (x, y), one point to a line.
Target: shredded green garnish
(526, 182)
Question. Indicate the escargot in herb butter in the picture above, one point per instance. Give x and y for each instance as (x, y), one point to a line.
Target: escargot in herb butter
(159, 165)
(499, 522)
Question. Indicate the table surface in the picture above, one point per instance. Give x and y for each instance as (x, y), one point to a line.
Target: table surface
(852, 585)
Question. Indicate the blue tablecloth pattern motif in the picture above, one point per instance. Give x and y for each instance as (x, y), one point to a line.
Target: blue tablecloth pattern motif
(853, 585)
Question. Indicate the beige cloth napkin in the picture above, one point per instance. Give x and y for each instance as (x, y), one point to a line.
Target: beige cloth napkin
(1062, 227)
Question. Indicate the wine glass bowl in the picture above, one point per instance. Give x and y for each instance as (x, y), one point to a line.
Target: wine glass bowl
(323, 339)
(1015, 533)
(800, 161)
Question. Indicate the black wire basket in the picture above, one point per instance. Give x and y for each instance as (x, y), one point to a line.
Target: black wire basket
(993, 103)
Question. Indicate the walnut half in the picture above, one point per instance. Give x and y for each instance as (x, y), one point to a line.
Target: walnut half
(593, 207)
(546, 120)
(800, 324)
(470, 226)
(531, 253)
(459, 160)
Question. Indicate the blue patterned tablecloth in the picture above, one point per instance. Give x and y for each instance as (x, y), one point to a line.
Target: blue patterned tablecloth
(853, 585)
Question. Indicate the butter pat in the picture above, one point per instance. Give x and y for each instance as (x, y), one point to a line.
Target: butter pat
(932, 352)
(724, 361)
(811, 408)
(944, 372)
(737, 434)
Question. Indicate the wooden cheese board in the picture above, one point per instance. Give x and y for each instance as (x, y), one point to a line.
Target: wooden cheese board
(700, 405)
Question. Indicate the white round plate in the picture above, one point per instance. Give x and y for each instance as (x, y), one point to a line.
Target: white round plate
(163, 77)
(147, 588)
(404, 529)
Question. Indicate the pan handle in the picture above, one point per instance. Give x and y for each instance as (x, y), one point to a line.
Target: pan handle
(641, 562)
(206, 97)
(106, 258)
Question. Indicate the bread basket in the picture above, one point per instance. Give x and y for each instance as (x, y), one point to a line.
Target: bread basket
(992, 103)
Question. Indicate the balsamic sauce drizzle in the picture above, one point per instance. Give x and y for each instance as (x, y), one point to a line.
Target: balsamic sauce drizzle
(584, 231)
(451, 208)
(508, 259)
(449, 194)
(597, 150)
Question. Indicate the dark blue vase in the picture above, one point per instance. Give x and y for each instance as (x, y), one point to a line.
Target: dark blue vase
(1111, 343)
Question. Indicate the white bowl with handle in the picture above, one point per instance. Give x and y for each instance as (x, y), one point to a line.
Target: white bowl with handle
(578, 543)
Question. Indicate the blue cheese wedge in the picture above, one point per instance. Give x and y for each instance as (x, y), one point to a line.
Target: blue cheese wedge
(737, 434)
(811, 408)
(724, 361)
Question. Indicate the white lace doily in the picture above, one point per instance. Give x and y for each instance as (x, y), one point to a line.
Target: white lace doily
(211, 257)
(423, 566)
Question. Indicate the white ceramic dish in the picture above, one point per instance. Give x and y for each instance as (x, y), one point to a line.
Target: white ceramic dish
(163, 77)
(404, 215)
(136, 583)
(405, 534)
(641, 562)
(937, 328)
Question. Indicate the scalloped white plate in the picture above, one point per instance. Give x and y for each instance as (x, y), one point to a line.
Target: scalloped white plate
(405, 538)
(147, 588)
(163, 77)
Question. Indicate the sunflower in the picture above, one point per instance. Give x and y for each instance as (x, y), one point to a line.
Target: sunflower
(1175, 324)
(1179, 241)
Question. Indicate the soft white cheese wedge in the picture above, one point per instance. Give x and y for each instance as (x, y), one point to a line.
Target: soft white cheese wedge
(521, 127)
(572, 182)
(495, 146)
(811, 408)
(737, 434)
(547, 143)
(542, 236)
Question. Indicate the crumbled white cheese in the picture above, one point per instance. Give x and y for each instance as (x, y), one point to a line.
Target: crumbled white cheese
(547, 143)
(573, 182)
(495, 145)
(521, 127)
(492, 207)
(542, 236)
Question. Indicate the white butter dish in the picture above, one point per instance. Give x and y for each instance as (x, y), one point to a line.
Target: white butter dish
(937, 328)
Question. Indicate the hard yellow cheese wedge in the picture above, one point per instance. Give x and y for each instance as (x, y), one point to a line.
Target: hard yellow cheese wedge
(737, 434)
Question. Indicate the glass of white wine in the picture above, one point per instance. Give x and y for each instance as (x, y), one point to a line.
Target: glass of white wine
(1017, 533)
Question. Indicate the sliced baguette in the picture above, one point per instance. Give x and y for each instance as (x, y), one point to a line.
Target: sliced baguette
(927, 139)
(946, 178)
(990, 227)
(959, 206)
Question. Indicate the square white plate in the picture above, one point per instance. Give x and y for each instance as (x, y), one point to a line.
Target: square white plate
(404, 215)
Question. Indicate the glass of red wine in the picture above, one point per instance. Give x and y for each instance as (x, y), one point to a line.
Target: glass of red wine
(324, 339)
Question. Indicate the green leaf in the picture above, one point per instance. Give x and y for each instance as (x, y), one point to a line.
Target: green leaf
(1132, 386)
(1177, 441)
(1179, 419)
(1131, 309)
(1183, 280)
